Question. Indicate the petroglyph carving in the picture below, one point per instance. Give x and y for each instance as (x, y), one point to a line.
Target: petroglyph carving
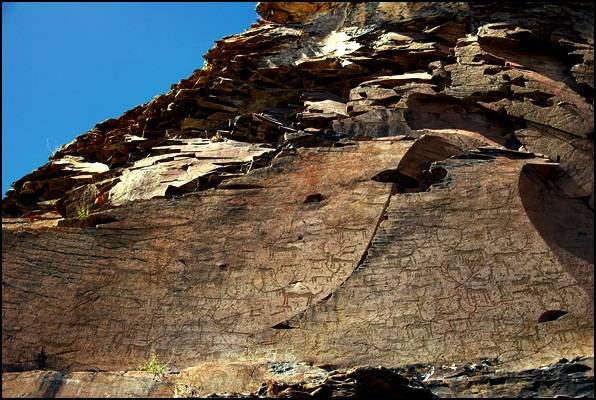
(298, 290)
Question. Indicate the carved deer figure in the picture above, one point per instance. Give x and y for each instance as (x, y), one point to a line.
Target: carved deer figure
(297, 289)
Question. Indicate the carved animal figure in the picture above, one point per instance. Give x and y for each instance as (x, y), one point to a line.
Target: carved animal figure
(298, 289)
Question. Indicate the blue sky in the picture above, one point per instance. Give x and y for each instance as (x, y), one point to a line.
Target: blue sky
(67, 66)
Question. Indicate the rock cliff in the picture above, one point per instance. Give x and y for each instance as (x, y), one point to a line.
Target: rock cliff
(354, 199)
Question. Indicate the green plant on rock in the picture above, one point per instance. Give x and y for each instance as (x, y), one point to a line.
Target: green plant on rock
(154, 366)
(83, 212)
(217, 138)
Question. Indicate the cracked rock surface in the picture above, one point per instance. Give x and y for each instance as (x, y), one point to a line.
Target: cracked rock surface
(351, 200)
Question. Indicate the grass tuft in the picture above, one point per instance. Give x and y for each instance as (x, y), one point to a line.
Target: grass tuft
(154, 366)
(83, 212)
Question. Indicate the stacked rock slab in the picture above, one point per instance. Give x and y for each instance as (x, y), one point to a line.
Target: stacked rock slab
(348, 196)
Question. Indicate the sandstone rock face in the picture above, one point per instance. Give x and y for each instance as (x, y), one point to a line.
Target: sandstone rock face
(344, 185)
(83, 384)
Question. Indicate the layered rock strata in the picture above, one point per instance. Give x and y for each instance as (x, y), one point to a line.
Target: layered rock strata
(343, 185)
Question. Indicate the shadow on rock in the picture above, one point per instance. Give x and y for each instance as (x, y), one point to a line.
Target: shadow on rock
(566, 224)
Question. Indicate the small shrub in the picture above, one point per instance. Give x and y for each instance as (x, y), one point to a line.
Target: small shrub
(153, 366)
(217, 138)
(83, 212)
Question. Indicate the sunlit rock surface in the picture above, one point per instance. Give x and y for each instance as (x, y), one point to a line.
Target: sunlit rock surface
(350, 200)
